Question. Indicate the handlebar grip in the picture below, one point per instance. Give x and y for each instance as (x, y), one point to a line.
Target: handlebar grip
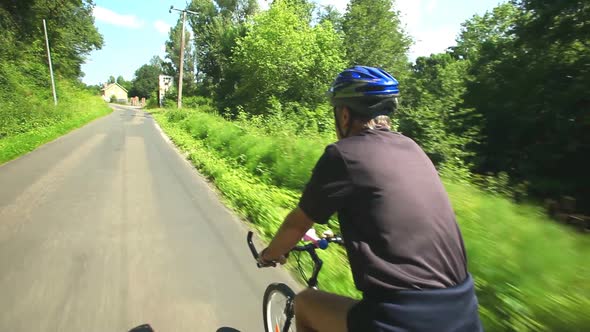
(260, 265)
(251, 245)
(255, 252)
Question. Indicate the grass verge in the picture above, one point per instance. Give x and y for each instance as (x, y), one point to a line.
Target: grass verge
(79, 113)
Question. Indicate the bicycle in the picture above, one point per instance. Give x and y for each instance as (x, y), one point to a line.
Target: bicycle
(277, 304)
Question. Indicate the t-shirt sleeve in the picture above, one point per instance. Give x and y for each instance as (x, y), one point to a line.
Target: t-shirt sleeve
(328, 189)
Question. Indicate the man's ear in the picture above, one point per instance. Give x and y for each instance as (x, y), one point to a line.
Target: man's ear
(345, 115)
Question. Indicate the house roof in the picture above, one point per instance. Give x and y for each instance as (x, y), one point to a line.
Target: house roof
(108, 86)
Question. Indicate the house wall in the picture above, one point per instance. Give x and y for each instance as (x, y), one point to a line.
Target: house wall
(119, 93)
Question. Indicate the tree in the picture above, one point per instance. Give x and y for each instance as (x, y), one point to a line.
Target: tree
(122, 82)
(531, 89)
(331, 14)
(71, 32)
(216, 28)
(282, 60)
(111, 79)
(145, 82)
(493, 28)
(432, 112)
(374, 36)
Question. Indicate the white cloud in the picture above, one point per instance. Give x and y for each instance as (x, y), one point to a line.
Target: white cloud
(428, 37)
(162, 27)
(108, 16)
(431, 6)
(410, 14)
(433, 41)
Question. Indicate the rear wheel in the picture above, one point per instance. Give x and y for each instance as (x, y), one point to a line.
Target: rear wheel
(277, 308)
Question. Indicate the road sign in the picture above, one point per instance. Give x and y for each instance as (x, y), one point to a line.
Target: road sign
(165, 82)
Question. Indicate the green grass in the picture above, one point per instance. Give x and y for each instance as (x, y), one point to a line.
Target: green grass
(79, 113)
(281, 160)
(531, 273)
(14, 146)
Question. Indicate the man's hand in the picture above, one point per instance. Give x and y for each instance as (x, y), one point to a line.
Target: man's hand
(290, 232)
(268, 261)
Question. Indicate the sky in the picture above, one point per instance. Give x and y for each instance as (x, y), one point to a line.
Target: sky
(136, 30)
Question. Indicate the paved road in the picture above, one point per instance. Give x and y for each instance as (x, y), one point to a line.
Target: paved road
(108, 227)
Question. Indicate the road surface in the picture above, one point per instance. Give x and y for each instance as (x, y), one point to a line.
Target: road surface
(109, 227)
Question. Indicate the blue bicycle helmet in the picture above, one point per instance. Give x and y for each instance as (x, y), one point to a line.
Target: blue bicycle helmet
(366, 91)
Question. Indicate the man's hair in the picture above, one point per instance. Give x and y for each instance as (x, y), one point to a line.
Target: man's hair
(367, 121)
(379, 122)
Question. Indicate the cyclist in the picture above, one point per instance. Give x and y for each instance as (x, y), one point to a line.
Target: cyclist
(404, 246)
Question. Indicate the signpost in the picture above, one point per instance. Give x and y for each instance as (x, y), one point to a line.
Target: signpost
(165, 82)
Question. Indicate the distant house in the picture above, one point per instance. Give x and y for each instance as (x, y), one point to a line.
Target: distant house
(114, 89)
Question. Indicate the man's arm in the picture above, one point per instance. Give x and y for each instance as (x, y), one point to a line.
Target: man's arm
(291, 231)
(327, 191)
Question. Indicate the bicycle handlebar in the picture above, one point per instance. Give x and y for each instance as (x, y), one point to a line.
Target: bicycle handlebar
(309, 248)
(254, 251)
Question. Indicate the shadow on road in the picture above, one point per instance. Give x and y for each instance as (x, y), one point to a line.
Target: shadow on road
(136, 115)
(227, 329)
(142, 328)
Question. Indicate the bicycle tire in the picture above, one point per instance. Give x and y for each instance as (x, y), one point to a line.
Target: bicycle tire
(267, 307)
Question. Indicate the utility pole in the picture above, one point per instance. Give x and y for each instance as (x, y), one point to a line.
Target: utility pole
(181, 65)
(50, 65)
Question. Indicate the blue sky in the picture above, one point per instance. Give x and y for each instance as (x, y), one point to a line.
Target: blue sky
(136, 30)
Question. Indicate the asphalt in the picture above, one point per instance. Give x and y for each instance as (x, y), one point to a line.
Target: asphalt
(109, 227)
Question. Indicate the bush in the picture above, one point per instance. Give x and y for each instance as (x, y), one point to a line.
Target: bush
(196, 102)
(281, 159)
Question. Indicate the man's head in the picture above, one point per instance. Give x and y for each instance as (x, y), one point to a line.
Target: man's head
(362, 97)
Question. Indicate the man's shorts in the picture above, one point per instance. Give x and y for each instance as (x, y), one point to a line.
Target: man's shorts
(442, 310)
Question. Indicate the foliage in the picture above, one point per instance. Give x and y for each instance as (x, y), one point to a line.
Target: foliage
(216, 29)
(531, 88)
(200, 102)
(28, 117)
(432, 112)
(283, 59)
(124, 83)
(146, 79)
(373, 36)
(275, 159)
(480, 32)
(331, 14)
(71, 32)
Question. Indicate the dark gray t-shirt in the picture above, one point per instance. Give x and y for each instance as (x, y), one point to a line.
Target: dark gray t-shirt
(395, 216)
